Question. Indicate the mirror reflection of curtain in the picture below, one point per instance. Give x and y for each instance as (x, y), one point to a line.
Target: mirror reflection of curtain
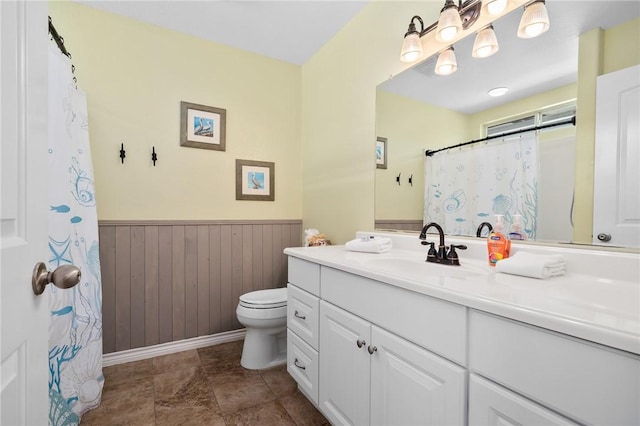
(75, 327)
(470, 185)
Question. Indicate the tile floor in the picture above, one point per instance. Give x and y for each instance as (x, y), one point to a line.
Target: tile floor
(205, 386)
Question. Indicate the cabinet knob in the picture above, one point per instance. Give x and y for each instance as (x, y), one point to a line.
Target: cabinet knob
(297, 315)
(361, 343)
(301, 367)
(372, 349)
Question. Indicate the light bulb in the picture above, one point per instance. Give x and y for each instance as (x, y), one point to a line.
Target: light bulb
(496, 7)
(535, 20)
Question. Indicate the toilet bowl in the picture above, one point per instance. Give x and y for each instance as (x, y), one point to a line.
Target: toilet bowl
(264, 314)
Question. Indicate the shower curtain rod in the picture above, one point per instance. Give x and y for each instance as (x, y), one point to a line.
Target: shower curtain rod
(571, 120)
(60, 43)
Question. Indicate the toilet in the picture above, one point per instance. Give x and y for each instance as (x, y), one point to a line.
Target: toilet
(264, 314)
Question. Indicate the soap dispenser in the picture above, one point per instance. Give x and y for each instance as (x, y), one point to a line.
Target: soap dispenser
(517, 233)
(498, 245)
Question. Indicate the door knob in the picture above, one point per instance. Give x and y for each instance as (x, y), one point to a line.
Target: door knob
(65, 276)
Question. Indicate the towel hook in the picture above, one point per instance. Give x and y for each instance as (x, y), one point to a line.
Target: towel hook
(398, 178)
(411, 180)
(122, 153)
(154, 156)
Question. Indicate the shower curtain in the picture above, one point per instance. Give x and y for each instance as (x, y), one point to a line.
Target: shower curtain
(470, 185)
(75, 327)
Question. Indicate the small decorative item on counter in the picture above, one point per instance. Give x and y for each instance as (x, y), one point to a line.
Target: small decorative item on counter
(498, 245)
(313, 237)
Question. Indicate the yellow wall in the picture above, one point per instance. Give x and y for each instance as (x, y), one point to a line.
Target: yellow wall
(338, 116)
(410, 127)
(135, 76)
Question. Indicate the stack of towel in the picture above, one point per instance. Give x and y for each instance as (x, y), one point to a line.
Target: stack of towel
(533, 265)
(369, 244)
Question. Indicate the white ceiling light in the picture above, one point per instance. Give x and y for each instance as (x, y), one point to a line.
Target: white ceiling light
(498, 91)
(486, 43)
(535, 20)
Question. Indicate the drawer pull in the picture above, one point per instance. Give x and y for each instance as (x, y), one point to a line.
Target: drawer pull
(297, 315)
(361, 343)
(372, 349)
(302, 367)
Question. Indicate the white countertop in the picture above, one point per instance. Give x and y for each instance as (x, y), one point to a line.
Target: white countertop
(594, 307)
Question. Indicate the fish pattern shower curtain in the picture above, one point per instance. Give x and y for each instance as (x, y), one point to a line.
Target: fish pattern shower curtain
(470, 185)
(75, 327)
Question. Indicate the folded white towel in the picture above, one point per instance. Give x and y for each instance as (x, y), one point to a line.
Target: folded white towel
(369, 245)
(533, 265)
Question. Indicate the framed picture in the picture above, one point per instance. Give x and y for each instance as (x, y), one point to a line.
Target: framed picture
(381, 153)
(255, 180)
(202, 126)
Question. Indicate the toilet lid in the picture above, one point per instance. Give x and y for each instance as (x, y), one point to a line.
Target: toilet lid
(264, 299)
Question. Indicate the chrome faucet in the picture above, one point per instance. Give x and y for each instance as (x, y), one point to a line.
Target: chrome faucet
(441, 255)
(482, 225)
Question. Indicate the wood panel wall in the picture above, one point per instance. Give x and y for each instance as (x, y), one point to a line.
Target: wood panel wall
(399, 225)
(165, 281)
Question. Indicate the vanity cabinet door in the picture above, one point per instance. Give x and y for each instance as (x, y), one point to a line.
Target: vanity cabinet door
(412, 386)
(493, 405)
(344, 366)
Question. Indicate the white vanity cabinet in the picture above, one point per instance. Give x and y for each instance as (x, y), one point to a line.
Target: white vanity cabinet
(369, 349)
(493, 405)
(584, 381)
(302, 325)
(371, 376)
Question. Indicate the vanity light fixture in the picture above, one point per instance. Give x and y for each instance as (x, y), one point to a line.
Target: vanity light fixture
(446, 63)
(534, 21)
(455, 18)
(498, 91)
(486, 43)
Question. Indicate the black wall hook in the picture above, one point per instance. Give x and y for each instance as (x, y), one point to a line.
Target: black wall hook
(154, 156)
(122, 153)
(398, 178)
(411, 180)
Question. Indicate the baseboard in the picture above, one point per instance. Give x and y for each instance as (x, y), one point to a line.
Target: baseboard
(146, 352)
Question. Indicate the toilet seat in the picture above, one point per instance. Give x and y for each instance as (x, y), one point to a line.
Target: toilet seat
(265, 299)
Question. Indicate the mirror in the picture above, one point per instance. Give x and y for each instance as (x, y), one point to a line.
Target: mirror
(418, 110)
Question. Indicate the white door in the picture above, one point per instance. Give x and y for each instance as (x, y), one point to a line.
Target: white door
(24, 318)
(412, 386)
(344, 366)
(616, 200)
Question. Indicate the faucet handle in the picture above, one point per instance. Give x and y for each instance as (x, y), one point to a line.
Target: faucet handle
(431, 254)
(453, 255)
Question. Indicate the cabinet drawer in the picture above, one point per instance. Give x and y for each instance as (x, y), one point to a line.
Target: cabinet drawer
(303, 314)
(302, 365)
(433, 324)
(582, 380)
(305, 275)
(490, 404)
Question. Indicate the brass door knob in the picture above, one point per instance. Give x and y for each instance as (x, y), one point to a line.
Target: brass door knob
(65, 276)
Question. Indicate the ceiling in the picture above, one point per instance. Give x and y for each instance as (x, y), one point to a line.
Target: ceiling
(294, 30)
(291, 31)
(525, 66)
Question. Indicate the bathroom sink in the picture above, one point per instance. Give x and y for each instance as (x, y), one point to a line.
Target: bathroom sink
(417, 268)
